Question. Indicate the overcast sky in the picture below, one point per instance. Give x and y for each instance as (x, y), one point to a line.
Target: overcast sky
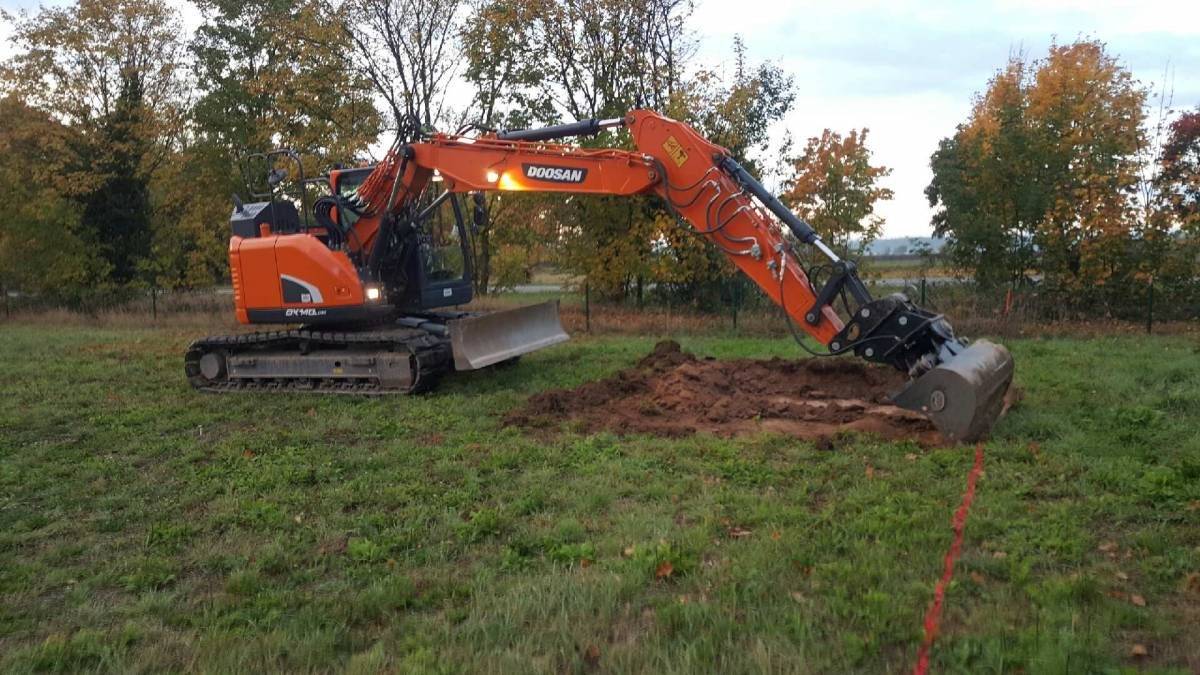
(907, 69)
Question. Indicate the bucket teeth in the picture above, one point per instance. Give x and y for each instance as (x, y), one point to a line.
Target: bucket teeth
(964, 394)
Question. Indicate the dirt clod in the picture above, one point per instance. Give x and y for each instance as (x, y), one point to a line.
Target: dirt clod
(673, 393)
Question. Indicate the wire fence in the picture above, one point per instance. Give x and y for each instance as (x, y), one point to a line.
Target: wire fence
(732, 307)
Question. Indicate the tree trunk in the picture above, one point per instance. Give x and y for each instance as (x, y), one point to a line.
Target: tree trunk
(483, 262)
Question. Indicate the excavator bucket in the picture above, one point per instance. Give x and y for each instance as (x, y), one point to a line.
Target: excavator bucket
(480, 341)
(964, 395)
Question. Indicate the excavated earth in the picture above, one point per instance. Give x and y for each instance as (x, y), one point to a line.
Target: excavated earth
(673, 393)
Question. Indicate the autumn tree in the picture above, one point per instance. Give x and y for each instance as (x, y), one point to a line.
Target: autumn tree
(42, 249)
(113, 71)
(549, 61)
(1170, 219)
(502, 64)
(1089, 113)
(502, 67)
(1041, 175)
(1178, 179)
(268, 76)
(835, 189)
(986, 187)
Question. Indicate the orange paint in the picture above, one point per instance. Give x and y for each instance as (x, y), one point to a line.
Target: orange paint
(671, 160)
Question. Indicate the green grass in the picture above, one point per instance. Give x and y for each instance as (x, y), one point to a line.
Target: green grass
(146, 527)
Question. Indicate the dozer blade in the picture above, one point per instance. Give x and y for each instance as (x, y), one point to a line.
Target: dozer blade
(481, 341)
(964, 396)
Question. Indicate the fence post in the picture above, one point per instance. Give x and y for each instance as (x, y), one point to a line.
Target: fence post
(1150, 308)
(154, 302)
(734, 298)
(587, 306)
(922, 291)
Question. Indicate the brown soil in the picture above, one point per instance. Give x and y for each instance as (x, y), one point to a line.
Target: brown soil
(673, 393)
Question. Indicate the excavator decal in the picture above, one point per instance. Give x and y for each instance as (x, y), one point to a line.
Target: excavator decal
(554, 174)
(298, 290)
(675, 151)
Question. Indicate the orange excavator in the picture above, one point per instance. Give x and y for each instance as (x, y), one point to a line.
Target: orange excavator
(372, 269)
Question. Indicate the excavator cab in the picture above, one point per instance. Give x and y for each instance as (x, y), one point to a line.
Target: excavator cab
(432, 268)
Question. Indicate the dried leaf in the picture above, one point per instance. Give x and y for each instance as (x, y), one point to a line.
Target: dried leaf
(912, 457)
(870, 471)
(977, 578)
(1139, 650)
(738, 532)
(248, 453)
(628, 551)
(1107, 547)
(592, 654)
(999, 555)
(1122, 576)
(1192, 582)
(585, 563)
(1137, 600)
(797, 596)
(664, 570)
(776, 535)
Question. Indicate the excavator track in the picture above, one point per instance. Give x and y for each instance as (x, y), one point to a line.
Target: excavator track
(384, 361)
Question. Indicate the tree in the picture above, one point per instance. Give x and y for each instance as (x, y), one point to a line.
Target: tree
(113, 72)
(835, 189)
(407, 50)
(1171, 219)
(549, 60)
(502, 64)
(985, 183)
(1043, 174)
(41, 250)
(605, 57)
(1088, 113)
(503, 68)
(1178, 180)
(118, 212)
(268, 77)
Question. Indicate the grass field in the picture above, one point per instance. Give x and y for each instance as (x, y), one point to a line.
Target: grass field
(145, 527)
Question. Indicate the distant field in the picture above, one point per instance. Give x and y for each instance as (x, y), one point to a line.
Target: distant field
(146, 527)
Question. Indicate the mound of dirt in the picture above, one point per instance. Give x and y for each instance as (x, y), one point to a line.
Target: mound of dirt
(673, 393)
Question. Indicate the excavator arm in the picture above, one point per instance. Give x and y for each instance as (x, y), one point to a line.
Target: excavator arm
(959, 385)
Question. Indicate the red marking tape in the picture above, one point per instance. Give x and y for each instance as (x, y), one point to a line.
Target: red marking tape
(934, 616)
